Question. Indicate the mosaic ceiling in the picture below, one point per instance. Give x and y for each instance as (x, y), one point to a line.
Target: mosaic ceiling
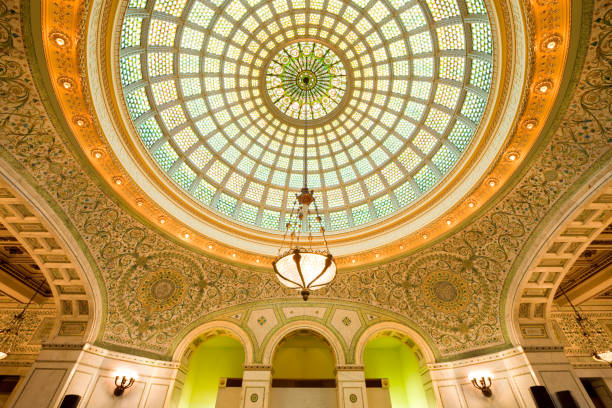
(452, 291)
(397, 92)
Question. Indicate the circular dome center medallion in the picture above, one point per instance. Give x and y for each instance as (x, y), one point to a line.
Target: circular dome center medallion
(306, 80)
(445, 291)
(162, 289)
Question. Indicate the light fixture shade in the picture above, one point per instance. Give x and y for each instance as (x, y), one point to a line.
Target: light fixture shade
(2, 355)
(305, 269)
(604, 357)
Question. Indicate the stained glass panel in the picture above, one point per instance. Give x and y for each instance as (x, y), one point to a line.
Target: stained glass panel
(217, 93)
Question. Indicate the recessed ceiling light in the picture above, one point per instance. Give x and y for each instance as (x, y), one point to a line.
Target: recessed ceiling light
(377, 255)
(234, 254)
(60, 41)
(186, 235)
(448, 222)
(210, 246)
(118, 181)
(471, 204)
(162, 220)
(492, 183)
(67, 84)
(544, 88)
(551, 45)
(140, 202)
(353, 260)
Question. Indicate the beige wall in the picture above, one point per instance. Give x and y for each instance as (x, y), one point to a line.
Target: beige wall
(379, 397)
(89, 372)
(228, 397)
(514, 371)
(303, 398)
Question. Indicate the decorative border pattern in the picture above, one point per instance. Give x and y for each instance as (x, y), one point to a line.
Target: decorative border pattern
(68, 285)
(551, 19)
(124, 250)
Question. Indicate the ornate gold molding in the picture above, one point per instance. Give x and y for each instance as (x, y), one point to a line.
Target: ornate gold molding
(63, 28)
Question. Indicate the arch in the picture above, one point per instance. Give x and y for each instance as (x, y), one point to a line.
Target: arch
(531, 292)
(317, 328)
(427, 353)
(219, 327)
(76, 291)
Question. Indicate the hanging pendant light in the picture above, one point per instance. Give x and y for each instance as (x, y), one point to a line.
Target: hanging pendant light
(9, 335)
(603, 356)
(300, 266)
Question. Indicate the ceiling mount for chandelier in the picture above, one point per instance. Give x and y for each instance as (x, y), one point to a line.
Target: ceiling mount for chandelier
(603, 355)
(301, 266)
(9, 336)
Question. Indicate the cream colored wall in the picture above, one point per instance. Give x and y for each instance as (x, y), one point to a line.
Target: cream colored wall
(89, 372)
(514, 371)
(228, 398)
(379, 397)
(510, 386)
(303, 398)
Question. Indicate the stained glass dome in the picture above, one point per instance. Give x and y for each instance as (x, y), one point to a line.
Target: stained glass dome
(306, 81)
(400, 86)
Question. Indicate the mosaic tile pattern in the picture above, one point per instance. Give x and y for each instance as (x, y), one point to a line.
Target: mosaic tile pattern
(382, 118)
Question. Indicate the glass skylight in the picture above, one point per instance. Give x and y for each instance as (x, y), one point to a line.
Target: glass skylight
(305, 80)
(396, 92)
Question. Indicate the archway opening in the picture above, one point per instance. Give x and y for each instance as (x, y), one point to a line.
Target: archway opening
(397, 363)
(303, 355)
(211, 362)
(303, 372)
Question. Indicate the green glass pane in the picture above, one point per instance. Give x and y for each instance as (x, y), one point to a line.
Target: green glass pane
(130, 32)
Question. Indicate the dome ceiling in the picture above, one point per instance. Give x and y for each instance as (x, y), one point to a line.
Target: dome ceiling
(396, 92)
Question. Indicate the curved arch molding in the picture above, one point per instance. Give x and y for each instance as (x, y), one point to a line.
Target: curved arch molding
(76, 295)
(347, 327)
(156, 285)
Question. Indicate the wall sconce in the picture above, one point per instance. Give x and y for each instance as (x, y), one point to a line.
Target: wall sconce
(482, 381)
(123, 381)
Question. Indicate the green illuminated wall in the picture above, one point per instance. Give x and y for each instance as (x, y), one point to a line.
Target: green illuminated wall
(304, 356)
(386, 357)
(213, 359)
